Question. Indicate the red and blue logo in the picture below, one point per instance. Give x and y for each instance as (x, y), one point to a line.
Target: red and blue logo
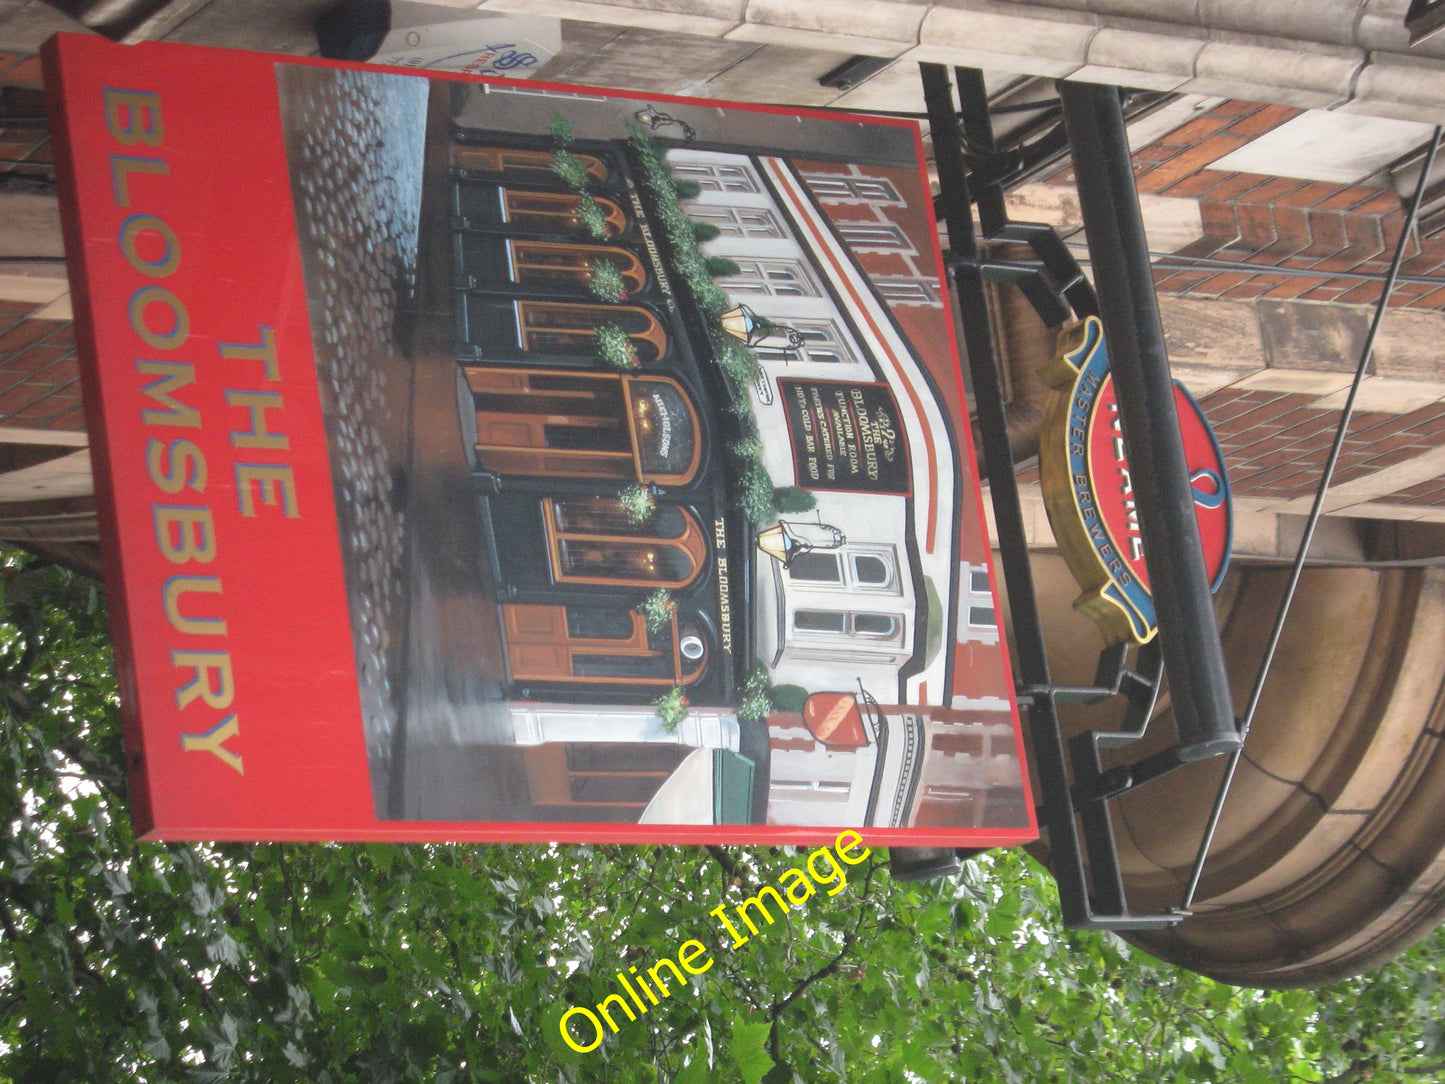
(1088, 486)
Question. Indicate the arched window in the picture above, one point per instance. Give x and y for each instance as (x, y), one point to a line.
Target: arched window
(559, 212)
(592, 541)
(566, 327)
(548, 423)
(547, 263)
(533, 167)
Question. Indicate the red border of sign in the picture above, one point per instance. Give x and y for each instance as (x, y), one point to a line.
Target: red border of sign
(327, 796)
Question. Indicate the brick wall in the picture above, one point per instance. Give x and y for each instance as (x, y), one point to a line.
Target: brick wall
(1275, 444)
(1278, 221)
(39, 373)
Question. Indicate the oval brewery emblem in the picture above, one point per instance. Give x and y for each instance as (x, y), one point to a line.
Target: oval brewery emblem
(1089, 492)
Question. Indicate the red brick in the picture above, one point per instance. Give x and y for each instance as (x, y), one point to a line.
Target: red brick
(1184, 279)
(1196, 157)
(1196, 131)
(1271, 190)
(1291, 230)
(1432, 300)
(1235, 185)
(1226, 411)
(1233, 107)
(24, 334)
(1310, 194)
(72, 419)
(1256, 225)
(1347, 197)
(1363, 293)
(1365, 427)
(1262, 120)
(1365, 234)
(1386, 202)
(1155, 152)
(1224, 280)
(1248, 291)
(1322, 293)
(1316, 443)
(1219, 219)
(1254, 480)
(1426, 262)
(10, 311)
(1196, 184)
(16, 399)
(1275, 457)
(38, 358)
(1281, 407)
(1294, 286)
(1394, 457)
(1413, 289)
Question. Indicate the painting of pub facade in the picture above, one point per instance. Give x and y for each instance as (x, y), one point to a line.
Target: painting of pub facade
(734, 590)
(681, 522)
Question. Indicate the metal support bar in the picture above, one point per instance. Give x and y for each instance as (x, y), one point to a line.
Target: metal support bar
(1193, 656)
(1050, 759)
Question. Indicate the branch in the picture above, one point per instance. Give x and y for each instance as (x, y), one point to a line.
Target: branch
(725, 860)
(779, 1007)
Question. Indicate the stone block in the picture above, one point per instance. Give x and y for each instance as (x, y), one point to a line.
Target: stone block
(1006, 37)
(1213, 334)
(1407, 83)
(1408, 345)
(1326, 21)
(1180, 12)
(1287, 73)
(1306, 335)
(707, 18)
(629, 60)
(775, 73)
(843, 26)
(1137, 58)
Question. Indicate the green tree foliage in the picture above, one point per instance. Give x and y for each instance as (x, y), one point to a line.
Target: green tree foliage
(128, 961)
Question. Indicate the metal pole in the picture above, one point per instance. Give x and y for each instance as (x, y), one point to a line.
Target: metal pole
(1119, 251)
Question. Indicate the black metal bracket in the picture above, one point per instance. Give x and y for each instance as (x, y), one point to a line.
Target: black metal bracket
(1075, 787)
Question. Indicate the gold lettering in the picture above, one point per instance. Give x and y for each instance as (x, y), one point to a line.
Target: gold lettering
(217, 695)
(273, 483)
(264, 352)
(173, 375)
(132, 228)
(175, 465)
(192, 538)
(256, 403)
(133, 116)
(159, 295)
(122, 165)
(171, 594)
(213, 742)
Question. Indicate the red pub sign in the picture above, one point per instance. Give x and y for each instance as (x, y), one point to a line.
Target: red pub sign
(489, 460)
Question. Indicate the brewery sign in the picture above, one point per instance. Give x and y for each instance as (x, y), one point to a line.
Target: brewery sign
(1088, 485)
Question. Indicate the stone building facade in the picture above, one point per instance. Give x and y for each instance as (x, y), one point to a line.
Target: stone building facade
(1270, 172)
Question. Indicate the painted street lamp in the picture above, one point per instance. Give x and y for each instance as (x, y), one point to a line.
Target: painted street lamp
(742, 323)
(655, 121)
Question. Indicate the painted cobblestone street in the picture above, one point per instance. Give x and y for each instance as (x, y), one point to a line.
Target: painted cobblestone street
(423, 623)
